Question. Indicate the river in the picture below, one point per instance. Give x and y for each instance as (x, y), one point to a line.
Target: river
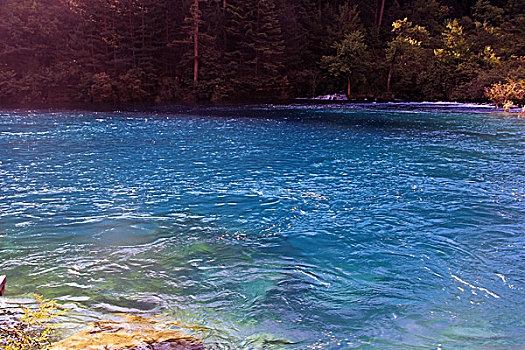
(380, 226)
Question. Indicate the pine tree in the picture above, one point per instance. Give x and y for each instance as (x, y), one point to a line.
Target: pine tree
(268, 47)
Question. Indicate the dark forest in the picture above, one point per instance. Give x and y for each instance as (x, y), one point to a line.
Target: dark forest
(120, 51)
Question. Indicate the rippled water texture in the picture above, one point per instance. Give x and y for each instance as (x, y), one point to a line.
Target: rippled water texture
(295, 227)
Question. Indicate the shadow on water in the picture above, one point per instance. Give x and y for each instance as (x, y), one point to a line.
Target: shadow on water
(398, 117)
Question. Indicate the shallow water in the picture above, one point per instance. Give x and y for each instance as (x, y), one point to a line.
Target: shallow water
(329, 227)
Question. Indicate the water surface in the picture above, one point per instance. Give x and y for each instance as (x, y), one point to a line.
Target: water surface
(275, 227)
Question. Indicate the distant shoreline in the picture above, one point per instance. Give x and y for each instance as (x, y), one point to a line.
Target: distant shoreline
(152, 106)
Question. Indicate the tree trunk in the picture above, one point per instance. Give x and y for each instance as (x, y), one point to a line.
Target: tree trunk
(390, 71)
(320, 9)
(258, 30)
(196, 44)
(348, 91)
(224, 33)
(376, 11)
(314, 83)
(132, 36)
(380, 16)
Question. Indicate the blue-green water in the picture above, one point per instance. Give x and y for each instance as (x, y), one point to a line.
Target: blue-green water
(327, 227)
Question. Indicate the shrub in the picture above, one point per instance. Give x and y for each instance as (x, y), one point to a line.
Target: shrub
(33, 330)
(506, 94)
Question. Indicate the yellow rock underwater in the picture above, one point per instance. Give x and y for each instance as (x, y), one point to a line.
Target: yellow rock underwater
(132, 332)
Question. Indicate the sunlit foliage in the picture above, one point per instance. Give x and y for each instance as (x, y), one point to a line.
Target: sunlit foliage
(506, 94)
(406, 54)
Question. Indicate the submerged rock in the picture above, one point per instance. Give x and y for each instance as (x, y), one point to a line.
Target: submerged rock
(133, 333)
(170, 345)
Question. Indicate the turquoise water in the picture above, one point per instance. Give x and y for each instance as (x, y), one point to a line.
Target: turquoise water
(275, 227)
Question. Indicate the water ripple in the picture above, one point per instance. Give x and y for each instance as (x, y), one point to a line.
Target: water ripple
(301, 227)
